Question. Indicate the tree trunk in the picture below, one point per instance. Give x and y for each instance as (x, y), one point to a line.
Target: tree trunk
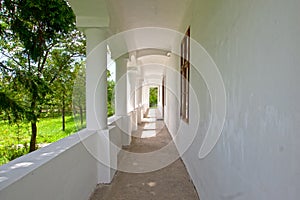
(33, 137)
(81, 115)
(63, 114)
(33, 125)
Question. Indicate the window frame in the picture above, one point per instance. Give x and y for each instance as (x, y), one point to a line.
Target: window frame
(185, 76)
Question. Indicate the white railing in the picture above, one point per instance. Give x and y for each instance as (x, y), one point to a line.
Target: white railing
(66, 169)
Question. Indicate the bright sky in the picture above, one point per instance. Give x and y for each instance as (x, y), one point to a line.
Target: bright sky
(111, 66)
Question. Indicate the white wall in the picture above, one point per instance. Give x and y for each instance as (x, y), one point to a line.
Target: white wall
(256, 47)
(172, 114)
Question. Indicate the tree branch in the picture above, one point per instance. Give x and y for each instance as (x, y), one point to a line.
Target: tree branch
(56, 74)
(44, 61)
(5, 67)
(29, 64)
(10, 57)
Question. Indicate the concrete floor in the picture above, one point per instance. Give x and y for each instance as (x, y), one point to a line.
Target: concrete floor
(170, 182)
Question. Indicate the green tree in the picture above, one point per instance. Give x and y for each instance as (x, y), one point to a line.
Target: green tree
(110, 95)
(79, 92)
(30, 29)
(153, 97)
(67, 59)
(62, 86)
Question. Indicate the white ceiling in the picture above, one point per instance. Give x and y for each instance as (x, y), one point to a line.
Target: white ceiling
(152, 66)
(124, 15)
(128, 14)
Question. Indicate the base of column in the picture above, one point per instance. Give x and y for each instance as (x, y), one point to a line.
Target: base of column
(134, 120)
(139, 115)
(125, 126)
(104, 164)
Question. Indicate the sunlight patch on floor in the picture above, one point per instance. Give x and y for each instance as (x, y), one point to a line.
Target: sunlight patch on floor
(149, 119)
(151, 184)
(150, 126)
(148, 134)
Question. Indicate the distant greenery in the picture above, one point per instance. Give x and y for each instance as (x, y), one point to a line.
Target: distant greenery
(110, 96)
(39, 43)
(14, 139)
(153, 97)
(42, 75)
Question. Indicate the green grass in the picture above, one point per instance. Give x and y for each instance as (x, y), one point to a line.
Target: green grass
(14, 139)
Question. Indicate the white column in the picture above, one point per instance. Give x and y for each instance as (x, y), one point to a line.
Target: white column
(121, 100)
(159, 95)
(121, 87)
(146, 96)
(96, 79)
(132, 73)
(141, 91)
(137, 93)
(139, 100)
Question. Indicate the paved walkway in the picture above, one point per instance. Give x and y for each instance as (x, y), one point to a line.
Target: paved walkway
(151, 148)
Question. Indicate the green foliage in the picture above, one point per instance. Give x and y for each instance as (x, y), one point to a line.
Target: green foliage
(10, 153)
(9, 106)
(14, 139)
(110, 96)
(79, 93)
(153, 97)
(41, 67)
(38, 24)
(32, 31)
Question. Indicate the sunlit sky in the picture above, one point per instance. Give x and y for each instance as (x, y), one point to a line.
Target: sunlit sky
(111, 66)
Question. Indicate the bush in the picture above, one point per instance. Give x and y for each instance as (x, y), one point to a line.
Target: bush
(9, 153)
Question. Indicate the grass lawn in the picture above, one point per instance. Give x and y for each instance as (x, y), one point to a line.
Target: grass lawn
(14, 139)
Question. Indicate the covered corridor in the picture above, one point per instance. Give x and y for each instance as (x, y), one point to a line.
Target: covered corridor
(169, 183)
(227, 74)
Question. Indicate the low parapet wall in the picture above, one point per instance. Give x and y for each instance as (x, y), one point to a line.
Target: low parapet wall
(67, 169)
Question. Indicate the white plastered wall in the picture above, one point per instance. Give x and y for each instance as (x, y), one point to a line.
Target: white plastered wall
(256, 46)
(172, 118)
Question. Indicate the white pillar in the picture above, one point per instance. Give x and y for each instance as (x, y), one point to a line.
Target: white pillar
(96, 79)
(121, 100)
(146, 96)
(141, 83)
(137, 93)
(132, 73)
(121, 87)
(96, 102)
(159, 96)
(139, 100)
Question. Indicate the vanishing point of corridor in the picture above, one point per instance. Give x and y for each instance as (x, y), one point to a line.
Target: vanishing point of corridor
(171, 182)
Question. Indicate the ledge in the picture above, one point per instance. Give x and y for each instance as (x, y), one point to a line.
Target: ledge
(113, 119)
(67, 165)
(22, 166)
